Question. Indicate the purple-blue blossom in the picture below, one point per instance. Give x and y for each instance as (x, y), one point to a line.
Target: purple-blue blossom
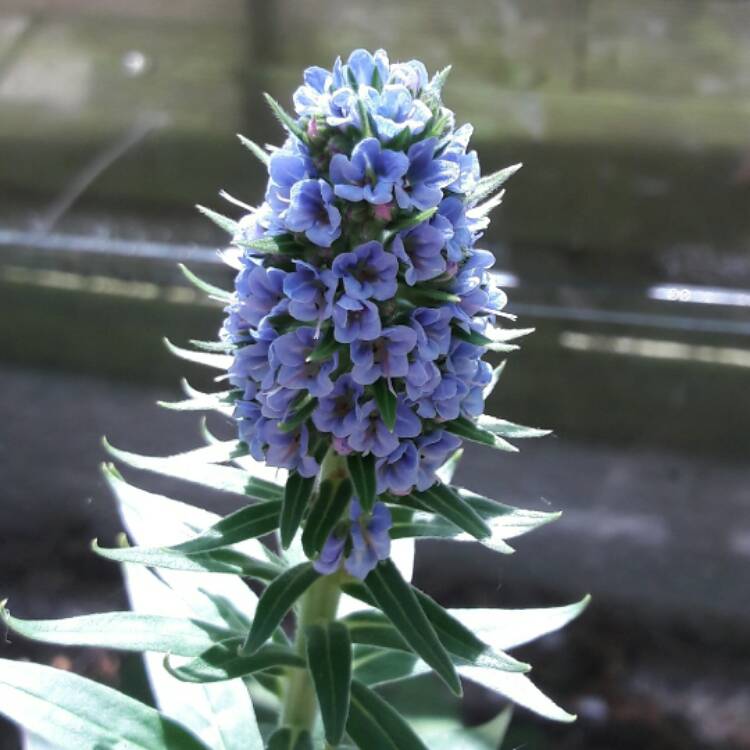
(291, 351)
(385, 357)
(311, 210)
(367, 272)
(420, 249)
(355, 320)
(370, 174)
(426, 177)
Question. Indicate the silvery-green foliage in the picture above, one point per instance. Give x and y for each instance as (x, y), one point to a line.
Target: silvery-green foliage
(354, 349)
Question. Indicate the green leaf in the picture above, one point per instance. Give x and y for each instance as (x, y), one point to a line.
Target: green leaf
(362, 472)
(200, 467)
(246, 523)
(485, 209)
(329, 656)
(379, 666)
(465, 428)
(494, 380)
(208, 359)
(373, 628)
(448, 469)
(221, 221)
(477, 339)
(490, 183)
(263, 156)
(224, 661)
(504, 428)
(325, 513)
(225, 601)
(397, 600)
(71, 712)
(213, 291)
(386, 402)
(126, 631)
(276, 601)
(286, 120)
(288, 738)
(325, 347)
(270, 245)
(409, 221)
(446, 734)
(375, 725)
(506, 521)
(444, 501)
(302, 413)
(508, 628)
(216, 561)
(222, 402)
(296, 497)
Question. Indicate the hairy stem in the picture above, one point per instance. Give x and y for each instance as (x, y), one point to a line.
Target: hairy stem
(318, 605)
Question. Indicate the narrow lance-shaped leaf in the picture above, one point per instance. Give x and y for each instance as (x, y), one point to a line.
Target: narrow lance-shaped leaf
(286, 120)
(225, 662)
(301, 414)
(208, 359)
(289, 738)
(386, 402)
(490, 183)
(221, 221)
(329, 656)
(71, 712)
(397, 600)
(326, 512)
(494, 380)
(506, 429)
(213, 291)
(465, 428)
(246, 523)
(375, 725)
(362, 472)
(127, 631)
(263, 156)
(445, 502)
(276, 601)
(296, 496)
(216, 561)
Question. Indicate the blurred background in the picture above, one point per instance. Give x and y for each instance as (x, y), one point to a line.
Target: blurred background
(625, 240)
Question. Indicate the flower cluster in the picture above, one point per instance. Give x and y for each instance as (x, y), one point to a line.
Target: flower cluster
(361, 304)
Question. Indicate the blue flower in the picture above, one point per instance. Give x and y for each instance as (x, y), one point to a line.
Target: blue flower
(355, 320)
(260, 293)
(385, 357)
(291, 351)
(412, 75)
(467, 163)
(370, 435)
(420, 249)
(339, 412)
(371, 173)
(452, 221)
(371, 541)
(398, 472)
(432, 326)
(361, 67)
(255, 360)
(287, 167)
(368, 538)
(444, 403)
(422, 378)
(425, 178)
(310, 292)
(434, 449)
(288, 450)
(368, 271)
(395, 109)
(330, 557)
(311, 211)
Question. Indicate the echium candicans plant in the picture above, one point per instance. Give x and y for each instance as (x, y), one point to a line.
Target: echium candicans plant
(355, 350)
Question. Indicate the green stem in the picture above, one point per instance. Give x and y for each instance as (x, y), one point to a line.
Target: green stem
(318, 605)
